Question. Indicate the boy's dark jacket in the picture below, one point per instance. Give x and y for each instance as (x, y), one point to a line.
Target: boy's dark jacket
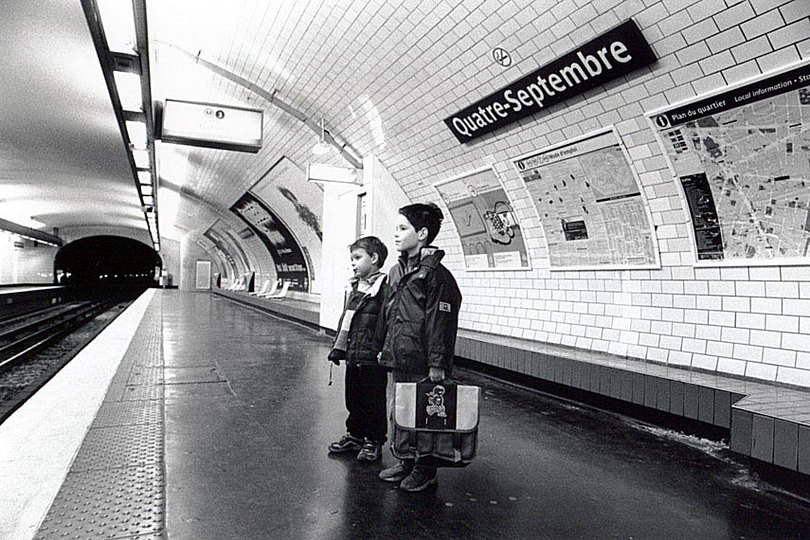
(361, 346)
(420, 321)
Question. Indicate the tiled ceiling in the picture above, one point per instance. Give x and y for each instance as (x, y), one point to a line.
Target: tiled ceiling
(381, 74)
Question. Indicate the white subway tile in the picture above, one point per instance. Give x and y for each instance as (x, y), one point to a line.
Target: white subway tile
(789, 35)
(764, 273)
(765, 338)
(679, 358)
(782, 57)
(705, 331)
(766, 305)
(795, 10)
(762, 372)
(750, 288)
(657, 355)
(702, 361)
(736, 303)
(731, 366)
(719, 348)
(779, 357)
(751, 320)
(694, 345)
(796, 273)
(734, 16)
(793, 376)
(796, 342)
(782, 289)
(725, 288)
(751, 49)
(736, 335)
(782, 323)
(762, 24)
(749, 353)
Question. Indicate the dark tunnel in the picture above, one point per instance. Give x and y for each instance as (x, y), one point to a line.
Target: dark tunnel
(107, 262)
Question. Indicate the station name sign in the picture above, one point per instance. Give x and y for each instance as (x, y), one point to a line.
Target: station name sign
(610, 55)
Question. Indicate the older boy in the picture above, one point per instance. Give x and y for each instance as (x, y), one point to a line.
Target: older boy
(421, 320)
(355, 342)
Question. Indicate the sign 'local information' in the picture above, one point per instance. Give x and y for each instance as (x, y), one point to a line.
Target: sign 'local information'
(617, 52)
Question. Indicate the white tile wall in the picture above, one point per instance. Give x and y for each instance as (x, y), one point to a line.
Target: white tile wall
(384, 74)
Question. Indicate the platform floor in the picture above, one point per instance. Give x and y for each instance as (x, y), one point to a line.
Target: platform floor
(229, 416)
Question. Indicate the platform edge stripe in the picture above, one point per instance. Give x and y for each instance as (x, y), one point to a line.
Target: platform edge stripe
(53, 423)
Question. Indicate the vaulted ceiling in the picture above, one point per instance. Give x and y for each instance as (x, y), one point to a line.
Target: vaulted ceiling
(370, 69)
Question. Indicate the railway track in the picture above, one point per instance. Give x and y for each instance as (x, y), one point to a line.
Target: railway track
(35, 346)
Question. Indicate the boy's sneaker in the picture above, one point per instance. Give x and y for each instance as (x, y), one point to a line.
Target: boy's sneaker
(347, 443)
(396, 473)
(419, 479)
(371, 451)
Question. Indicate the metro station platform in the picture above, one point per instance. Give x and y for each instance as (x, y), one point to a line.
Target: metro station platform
(192, 416)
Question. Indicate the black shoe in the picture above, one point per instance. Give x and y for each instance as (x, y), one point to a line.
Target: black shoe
(419, 479)
(396, 473)
(372, 451)
(346, 444)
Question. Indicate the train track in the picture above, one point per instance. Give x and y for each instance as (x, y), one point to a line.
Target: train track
(35, 346)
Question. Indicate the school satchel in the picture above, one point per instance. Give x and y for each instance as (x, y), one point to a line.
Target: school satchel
(438, 419)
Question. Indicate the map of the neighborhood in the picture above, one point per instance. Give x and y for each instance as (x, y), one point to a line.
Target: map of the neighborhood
(486, 223)
(753, 161)
(590, 205)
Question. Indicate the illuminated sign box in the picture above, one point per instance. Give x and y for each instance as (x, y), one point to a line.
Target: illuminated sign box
(317, 172)
(212, 126)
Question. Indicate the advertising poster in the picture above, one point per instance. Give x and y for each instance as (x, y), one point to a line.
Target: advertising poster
(742, 159)
(285, 251)
(589, 202)
(485, 220)
(221, 249)
(296, 203)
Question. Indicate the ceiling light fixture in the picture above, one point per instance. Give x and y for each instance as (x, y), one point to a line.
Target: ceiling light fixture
(118, 29)
(322, 147)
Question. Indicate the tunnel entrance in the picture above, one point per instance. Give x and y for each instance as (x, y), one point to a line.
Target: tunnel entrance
(107, 262)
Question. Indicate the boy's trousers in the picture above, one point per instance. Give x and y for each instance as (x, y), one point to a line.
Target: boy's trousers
(365, 401)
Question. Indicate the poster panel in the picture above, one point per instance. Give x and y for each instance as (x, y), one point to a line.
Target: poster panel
(489, 231)
(290, 262)
(741, 158)
(588, 199)
(225, 250)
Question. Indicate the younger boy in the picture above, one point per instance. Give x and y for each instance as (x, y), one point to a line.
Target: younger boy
(366, 425)
(421, 320)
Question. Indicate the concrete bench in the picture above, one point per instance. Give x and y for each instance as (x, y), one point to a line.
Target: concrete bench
(767, 422)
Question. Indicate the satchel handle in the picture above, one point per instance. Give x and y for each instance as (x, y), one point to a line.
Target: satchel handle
(446, 380)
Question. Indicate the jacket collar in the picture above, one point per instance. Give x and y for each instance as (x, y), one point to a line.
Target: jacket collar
(371, 280)
(429, 257)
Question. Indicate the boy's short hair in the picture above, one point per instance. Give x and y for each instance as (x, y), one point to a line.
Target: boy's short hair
(426, 215)
(371, 245)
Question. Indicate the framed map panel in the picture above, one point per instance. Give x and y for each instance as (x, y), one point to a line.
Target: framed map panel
(489, 231)
(588, 200)
(741, 158)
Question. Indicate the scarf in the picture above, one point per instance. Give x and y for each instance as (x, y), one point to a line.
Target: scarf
(351, 308)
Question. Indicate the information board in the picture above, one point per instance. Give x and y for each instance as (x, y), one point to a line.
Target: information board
(589, 202)
(742, 159)
(489, 231)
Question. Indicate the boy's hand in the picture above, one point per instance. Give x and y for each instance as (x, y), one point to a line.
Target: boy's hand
(335, 356)
(436, 374)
